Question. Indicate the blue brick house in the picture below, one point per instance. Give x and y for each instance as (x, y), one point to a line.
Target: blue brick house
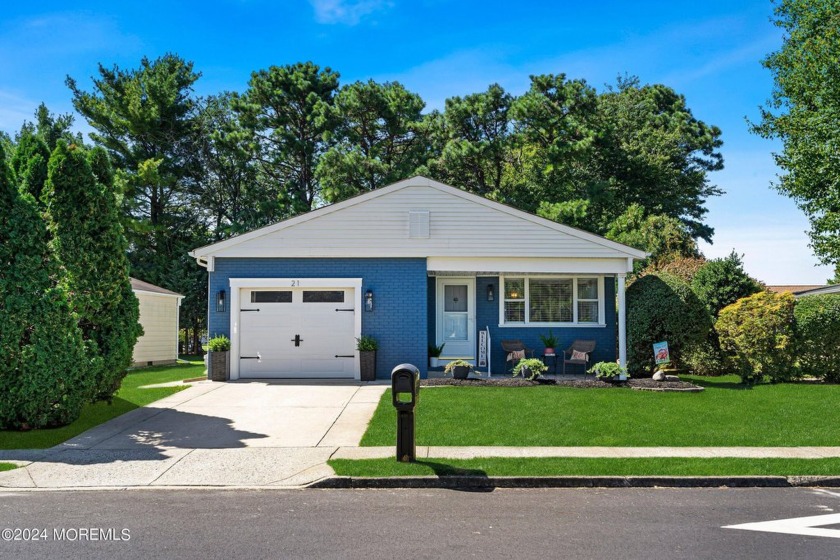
(414, 264)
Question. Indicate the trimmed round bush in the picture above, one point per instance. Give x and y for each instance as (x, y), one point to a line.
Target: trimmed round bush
(818, 336)
(661, 307)
(757, 334)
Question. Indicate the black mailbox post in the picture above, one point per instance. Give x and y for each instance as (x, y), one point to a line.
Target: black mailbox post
(405, 389)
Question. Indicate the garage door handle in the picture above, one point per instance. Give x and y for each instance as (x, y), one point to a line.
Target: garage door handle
(249, 357)
(242, 310)
(345, 310)
(345, 356)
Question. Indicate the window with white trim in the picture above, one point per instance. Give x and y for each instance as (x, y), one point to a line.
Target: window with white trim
(552, 300)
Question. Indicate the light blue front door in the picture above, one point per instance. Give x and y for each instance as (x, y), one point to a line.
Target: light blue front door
(456, 317)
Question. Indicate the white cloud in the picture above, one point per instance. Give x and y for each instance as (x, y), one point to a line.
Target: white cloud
(14, 110)
(348, 12)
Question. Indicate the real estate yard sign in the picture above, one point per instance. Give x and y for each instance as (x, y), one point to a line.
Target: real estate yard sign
(661, 354)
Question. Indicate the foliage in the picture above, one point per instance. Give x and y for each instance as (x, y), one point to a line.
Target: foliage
(756, 332)
(378, 139)
(802, 113)
(707, 358)
(534, 365)
(607, 370)
(662, 307)
(435, 351)
(366, 343)
(284, 111)
(29, 163)
(44, 373)
(147, 120)
(683, 268)
(83, 220)
(550, 341)
(818, 336)
(219, 343)
(721, 282)
(450, 367)
(661, 236)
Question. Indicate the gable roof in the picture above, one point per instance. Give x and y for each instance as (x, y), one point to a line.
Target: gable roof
(140, 286)
(376, 224)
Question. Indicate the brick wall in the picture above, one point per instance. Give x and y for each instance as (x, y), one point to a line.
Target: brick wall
(399, 318)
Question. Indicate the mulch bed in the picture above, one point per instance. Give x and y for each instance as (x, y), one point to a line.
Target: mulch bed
(638, 384)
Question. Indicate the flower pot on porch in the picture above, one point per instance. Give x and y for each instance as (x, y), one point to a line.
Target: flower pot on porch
(218, 366)
(460, 372)
(367, 364)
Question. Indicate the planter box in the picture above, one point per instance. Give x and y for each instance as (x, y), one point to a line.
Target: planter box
(218, 366)
(367, 365)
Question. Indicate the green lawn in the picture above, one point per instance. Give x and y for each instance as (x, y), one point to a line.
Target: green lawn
(725, 414)
(659, 466)
(129, 397)
(7, 467)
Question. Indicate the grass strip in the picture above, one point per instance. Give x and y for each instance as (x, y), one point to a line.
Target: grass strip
(7, 466)
(129, 397)
(726, 414)
(572, 466)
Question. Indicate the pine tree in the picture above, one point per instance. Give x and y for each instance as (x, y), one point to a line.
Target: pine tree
(89, 243)
(44, 373)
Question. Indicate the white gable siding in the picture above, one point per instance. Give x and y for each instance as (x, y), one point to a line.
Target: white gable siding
(459, 227)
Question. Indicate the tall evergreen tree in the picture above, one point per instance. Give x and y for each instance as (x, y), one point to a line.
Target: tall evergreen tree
(283, 109)
(44, 371)
(88, 241)
(378, 139)
(29, 163)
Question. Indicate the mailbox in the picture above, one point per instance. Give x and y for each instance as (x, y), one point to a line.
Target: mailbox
(405, 386)
(405, 390)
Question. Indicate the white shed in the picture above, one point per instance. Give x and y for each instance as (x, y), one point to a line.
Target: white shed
(159, 317)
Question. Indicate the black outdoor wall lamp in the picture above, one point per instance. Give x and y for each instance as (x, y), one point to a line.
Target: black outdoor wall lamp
(368, 300)
(220, 301)
(490, 295)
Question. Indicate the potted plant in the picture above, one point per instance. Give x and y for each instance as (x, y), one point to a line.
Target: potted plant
(459, 369)
(530, 368)
(434, 354)
(550, 343)
(609, 371)
(218, 358)
(367, 347)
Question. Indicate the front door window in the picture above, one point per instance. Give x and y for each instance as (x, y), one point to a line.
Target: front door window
(455, 312)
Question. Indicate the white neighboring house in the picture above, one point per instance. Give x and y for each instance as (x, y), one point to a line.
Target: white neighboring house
(159, 317)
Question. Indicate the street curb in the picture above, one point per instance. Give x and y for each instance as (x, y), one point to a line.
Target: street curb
(456, 482)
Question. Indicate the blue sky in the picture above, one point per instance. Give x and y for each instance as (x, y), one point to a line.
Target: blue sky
(708, 51)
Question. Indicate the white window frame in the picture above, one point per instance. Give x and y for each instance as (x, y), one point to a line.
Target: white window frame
(528, 323)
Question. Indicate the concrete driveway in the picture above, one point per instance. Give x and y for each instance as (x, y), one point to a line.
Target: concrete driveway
(258, 433)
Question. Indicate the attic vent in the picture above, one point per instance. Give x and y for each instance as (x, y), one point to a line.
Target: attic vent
(418, 224)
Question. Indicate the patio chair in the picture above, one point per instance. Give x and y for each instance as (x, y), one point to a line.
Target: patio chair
(515, 350)
(578, 354)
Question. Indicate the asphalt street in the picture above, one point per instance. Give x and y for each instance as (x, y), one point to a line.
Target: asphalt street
(539, 523)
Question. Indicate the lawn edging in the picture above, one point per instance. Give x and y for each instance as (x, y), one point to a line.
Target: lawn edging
(490, 482)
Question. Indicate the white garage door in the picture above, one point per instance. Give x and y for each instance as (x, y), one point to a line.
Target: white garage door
(297, 333)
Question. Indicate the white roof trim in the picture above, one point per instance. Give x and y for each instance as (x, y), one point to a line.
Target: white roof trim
(208, 250)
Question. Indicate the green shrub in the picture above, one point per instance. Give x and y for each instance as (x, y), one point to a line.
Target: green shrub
(721, 282)
(707, 358)
(366, 343)
(607, 370)
(219, 343)
(44, 372)
(662, 307)
(756, 333)
(818, 336)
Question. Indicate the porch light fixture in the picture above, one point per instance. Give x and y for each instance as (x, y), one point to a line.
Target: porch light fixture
(368, 300)
(490, 295)
(220, 301)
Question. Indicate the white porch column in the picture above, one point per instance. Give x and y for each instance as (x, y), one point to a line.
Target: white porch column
(622, 324)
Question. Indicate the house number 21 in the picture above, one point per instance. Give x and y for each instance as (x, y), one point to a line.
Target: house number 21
(295, 283)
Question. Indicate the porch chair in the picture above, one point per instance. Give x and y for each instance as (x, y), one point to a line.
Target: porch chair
(514, 351)
(578, 354)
